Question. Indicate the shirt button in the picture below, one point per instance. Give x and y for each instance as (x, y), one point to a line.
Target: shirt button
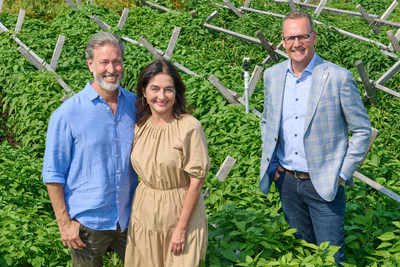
(117, 201)
(116, 139)
(116, 155)
(117, 171)
(295, 153)
(118, 186)
(296, 117)
(295, 135)
(108, 108)
(114, 122)
(297, 99)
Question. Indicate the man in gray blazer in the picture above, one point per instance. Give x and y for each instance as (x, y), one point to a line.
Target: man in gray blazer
(310, 105)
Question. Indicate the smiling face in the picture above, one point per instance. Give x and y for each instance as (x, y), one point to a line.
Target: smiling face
(107, 67)
(160, 94)
(300, 52)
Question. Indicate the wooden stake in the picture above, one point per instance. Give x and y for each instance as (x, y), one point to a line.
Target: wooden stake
(157, 6)
(358, 37)
(388, 74)
(71, 4)
(256, 112)
(393, 40)
(64, 98)
(329, 10)
(232, 33)
(193, 14)
(387, 90)
(267, 46)
(397, 36)
(320, 7)
(37, 63)
(247, 3)
(263, 12)
(1, 5)
(255, 76)
(184, 69)
(389, 10)
(172, 42)
(212, 16)
(2, 27)
(64, 85)
(292, 5)
(233, 8)
(104, 26)
(57, 52)
(223, 90)
(278, 51)
(20, 20)
(388, 53)
(225, 168)
(150, 48)
(122, 20)
(130, 40)
(368, 18)
(381, 22)
(377, 186)
(374, 134)
(369, 91)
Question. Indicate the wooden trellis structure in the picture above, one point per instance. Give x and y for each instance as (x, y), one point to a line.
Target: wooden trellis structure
(34, 58)
(272, 50)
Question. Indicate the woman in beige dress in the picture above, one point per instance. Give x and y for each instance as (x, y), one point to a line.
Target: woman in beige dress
(168, 225)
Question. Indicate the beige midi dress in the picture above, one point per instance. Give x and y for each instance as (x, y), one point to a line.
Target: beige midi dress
(165, 157)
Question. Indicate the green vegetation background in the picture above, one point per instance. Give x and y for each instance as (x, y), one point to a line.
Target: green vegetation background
(246, 228)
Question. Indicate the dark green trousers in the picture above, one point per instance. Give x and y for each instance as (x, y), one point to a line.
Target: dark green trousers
(97, 242)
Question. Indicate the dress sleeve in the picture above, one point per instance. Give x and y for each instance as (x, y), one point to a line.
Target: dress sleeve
(196, 162)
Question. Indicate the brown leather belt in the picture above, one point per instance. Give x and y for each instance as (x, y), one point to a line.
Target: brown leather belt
(298, 175)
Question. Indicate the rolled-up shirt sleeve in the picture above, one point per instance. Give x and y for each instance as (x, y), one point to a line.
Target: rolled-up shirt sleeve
(58, 151)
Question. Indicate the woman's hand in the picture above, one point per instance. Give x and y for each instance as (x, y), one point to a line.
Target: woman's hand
(177, 244)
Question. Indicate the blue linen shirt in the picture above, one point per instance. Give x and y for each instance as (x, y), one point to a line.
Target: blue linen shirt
(88, 152)
(290, 150)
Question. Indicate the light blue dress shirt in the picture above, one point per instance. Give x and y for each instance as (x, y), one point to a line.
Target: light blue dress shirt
(88, 152)
(290, 150)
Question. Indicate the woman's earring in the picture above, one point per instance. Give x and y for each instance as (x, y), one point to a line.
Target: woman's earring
(144, 101)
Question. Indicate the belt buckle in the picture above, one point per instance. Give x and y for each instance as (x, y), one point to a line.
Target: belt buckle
(295, 175)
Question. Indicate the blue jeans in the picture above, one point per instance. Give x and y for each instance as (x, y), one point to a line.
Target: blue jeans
(316, 219)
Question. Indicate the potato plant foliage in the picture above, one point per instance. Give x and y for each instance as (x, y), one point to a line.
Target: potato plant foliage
(246, 228)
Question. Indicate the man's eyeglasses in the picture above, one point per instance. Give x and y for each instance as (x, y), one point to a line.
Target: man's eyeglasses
(289, 40)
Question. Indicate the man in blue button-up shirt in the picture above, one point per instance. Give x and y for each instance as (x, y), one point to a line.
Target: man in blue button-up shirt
(310, 105)
(86, 166)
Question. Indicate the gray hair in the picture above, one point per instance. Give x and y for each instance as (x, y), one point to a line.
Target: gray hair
(101, 39)
(299, 14)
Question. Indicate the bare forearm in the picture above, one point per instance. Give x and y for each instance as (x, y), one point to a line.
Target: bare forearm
(69, 229)
(56, 195)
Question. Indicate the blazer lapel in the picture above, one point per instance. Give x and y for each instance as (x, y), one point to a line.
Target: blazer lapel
(278, 89)
(319, 77)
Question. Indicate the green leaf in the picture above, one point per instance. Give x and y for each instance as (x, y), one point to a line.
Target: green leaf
(230, 255)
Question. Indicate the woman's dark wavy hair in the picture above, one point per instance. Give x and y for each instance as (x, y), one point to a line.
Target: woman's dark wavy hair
(143, 111)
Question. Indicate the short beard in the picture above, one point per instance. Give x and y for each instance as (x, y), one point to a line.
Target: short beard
(104, 85)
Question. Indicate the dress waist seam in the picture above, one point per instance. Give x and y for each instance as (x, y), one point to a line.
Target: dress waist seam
(161, 189)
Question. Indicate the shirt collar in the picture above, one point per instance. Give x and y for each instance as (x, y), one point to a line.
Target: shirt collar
(92, 93)
(309, 67)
